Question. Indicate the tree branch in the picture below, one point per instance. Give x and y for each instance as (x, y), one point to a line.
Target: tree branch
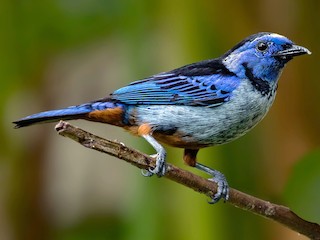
(278, 213)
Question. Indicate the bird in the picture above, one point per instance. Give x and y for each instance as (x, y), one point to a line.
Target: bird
(198, 105)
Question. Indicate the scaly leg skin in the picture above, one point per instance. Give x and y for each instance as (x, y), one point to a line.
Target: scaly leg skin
(219, 179)
(160, 168)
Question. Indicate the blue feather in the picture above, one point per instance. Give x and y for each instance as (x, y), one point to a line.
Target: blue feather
(72, 112)
(173, 89)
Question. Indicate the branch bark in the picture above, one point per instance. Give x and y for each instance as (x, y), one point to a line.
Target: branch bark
(278, 213)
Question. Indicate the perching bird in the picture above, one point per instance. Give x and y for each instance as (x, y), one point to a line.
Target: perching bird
(195, 106)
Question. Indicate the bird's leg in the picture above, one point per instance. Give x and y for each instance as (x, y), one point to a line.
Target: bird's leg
(160, 168)
(223, 188)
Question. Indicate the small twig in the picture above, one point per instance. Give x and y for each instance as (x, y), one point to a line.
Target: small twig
(244, 201)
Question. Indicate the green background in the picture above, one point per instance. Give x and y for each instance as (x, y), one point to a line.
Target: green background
(56, 53)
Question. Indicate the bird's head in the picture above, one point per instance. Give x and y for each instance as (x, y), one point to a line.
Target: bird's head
(263, 54)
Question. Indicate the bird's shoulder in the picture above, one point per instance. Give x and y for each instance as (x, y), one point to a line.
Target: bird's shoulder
(203, 68)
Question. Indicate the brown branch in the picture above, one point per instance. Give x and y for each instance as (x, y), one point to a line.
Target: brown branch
(244, 201)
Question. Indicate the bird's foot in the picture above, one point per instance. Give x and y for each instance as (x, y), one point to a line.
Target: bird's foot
(220, 180)
(223, 187)
(160, 168)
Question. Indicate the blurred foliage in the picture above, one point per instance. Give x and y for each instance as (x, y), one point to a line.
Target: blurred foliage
(56, 53)
(302, 190)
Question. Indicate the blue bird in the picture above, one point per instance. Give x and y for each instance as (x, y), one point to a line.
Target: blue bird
(195, 106)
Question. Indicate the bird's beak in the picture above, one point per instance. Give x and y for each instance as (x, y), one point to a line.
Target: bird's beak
(294, 50)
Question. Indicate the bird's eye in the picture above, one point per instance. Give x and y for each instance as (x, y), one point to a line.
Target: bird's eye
(262, 46)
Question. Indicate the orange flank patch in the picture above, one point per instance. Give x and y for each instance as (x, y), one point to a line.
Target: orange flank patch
(176, 140)
(111, 116)
(172, 140)
(144, 129)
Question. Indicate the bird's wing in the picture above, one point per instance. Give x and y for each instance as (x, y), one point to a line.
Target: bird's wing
(176, 88)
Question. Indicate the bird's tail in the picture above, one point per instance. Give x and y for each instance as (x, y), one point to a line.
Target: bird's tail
(99, 111)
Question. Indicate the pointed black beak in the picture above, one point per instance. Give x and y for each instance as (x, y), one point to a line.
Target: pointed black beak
(292, 51)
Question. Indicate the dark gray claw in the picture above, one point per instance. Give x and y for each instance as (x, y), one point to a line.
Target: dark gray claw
(220, 180)
(223, 188)
(160, 168)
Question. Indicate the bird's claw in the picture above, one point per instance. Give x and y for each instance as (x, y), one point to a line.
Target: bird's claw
(222, 189)
(160, 168)
(220, 180)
